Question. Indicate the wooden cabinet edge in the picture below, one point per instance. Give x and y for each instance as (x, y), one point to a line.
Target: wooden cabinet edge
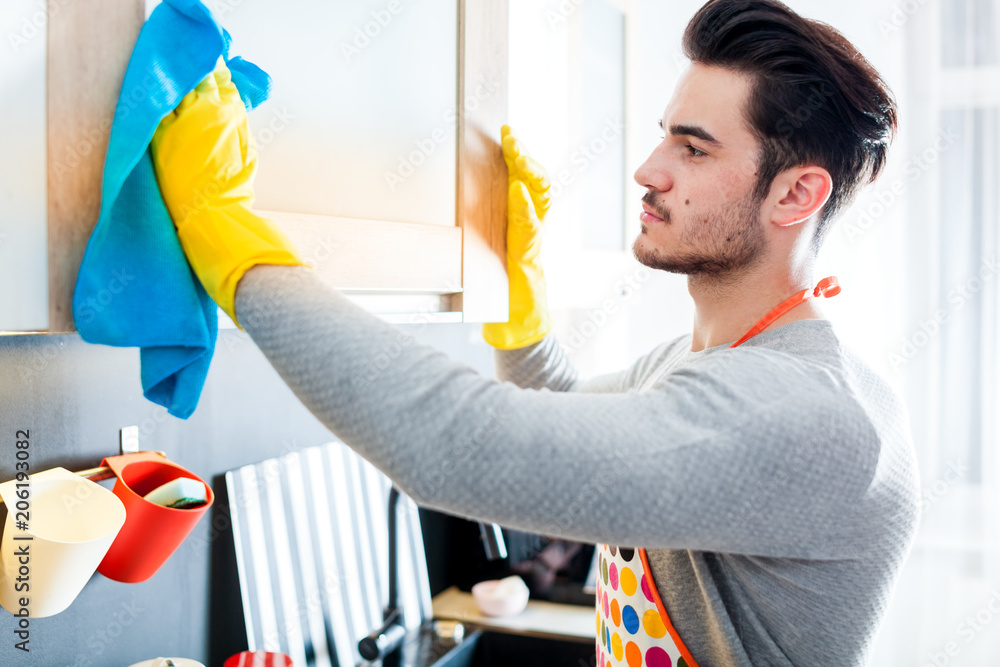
(482, 175)
(89, 43)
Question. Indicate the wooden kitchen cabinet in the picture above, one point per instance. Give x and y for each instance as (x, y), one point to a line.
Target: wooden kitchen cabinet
(379, 151)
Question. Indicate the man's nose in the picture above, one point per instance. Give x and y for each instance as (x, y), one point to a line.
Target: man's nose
(655, 173)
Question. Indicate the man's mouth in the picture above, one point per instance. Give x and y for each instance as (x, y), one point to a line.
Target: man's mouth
(651, 212)
(648, 214)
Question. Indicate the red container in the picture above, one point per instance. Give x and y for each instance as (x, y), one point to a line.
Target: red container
(151, 532)
(259, 659)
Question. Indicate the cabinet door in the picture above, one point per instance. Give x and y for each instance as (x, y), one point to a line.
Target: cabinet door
(391, 187)
(360, 145)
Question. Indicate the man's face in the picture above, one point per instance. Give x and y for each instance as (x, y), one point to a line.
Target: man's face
(700, 213)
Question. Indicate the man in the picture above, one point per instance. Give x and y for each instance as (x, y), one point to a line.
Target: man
(753, 503)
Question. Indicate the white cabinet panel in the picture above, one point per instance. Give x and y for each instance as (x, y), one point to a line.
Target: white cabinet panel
(362, 122)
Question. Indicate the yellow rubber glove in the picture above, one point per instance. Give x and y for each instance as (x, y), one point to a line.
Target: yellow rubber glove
(528, 201)
(205, 160)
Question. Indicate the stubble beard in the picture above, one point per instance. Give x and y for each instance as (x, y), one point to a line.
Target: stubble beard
(714, 247)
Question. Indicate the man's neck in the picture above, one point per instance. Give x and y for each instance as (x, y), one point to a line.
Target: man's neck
(727, 307)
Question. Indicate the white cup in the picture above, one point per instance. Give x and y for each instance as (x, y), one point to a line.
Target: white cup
(71, 523)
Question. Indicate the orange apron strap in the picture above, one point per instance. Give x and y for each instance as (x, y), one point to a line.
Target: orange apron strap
(826, 288)
(663, 611)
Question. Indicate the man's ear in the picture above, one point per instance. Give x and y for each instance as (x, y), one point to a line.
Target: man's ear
(801, 192)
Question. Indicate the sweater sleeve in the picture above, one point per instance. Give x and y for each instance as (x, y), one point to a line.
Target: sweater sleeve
(545, 365)
(749, 451)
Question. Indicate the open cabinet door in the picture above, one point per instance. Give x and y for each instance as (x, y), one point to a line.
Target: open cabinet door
(380, 146)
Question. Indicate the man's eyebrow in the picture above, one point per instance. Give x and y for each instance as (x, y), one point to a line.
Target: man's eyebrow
(693, 131)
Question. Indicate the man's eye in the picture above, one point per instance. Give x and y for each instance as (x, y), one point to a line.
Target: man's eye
(695, 152)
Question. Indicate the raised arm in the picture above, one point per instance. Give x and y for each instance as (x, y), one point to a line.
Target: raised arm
(713, 459)
(545, 365)
(678, 467)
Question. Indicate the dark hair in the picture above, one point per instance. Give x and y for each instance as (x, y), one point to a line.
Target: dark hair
(814, 98)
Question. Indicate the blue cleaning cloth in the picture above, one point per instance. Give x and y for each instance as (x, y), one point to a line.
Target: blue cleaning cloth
(135, 288)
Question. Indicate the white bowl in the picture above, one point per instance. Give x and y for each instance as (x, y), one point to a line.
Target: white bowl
(504, 597)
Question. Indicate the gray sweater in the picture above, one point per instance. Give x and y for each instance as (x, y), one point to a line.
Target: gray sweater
(774, 485)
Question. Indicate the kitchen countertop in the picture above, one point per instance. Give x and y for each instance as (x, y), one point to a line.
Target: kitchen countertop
(544, 619)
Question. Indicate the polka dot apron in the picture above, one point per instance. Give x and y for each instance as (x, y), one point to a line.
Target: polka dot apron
(633, 628)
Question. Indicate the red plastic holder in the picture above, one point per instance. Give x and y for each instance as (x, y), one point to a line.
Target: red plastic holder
(259, 659)
(151, 532)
